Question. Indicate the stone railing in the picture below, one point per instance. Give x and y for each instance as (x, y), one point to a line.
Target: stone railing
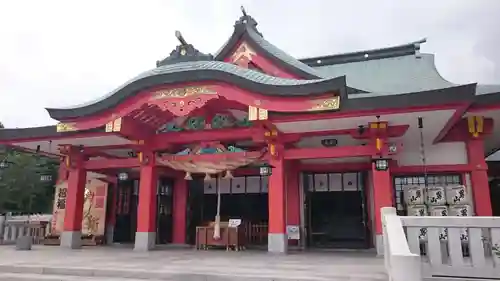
(400, 263)
(452, 247)
(13, 227)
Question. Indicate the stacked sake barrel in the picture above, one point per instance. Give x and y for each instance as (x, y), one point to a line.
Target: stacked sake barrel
(414, 196)
(437, 200)
(459, 205)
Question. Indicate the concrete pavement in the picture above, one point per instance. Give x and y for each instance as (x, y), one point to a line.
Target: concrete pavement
(99, 263)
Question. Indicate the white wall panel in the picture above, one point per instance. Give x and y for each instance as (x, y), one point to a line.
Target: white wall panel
(439, 154)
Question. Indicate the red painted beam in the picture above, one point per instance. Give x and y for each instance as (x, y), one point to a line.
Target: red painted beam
(212, 157)
(451, 122)
(330, 152)
(391, 132)
(101, 164)
(336, 167)
(134, 129)
(419, 170)
(355, 113)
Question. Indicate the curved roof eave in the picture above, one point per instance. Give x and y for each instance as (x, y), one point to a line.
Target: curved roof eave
(200, 71)
(244, 31)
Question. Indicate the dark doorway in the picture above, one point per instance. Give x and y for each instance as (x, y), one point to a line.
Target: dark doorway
(241, 198)
(126, 211)
(194, 212)
(335, 211)
(164, 218)
(495, 196)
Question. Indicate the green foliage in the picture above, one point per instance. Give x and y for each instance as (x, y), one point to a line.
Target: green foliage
(21, 187)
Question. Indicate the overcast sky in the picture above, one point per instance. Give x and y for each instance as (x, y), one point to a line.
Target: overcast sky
(56, 53)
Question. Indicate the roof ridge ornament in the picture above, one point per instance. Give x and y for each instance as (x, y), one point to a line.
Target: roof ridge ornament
(180, 38)
(246, 21)
(184, 52)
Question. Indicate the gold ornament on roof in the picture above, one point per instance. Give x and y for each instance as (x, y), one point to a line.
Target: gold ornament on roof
(326, 104)
(65, 127)
(183, 92)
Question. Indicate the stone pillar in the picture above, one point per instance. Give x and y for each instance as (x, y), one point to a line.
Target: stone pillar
(277, 238)
(179, 210)
(293, 203)
(382, 197)
(479, 177)
(145, 237)
(72, 234)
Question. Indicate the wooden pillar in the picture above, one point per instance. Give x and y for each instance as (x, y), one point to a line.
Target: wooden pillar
(479, 177)
(72, 232)
(277, 238)
(179, 210)
(145, 237)
(293, 203)
(382, 197)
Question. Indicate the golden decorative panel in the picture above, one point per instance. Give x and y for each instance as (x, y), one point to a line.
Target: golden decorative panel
(255, 113)
(326, 104)
(475, 125)
(183, 92)
(66, 127)
(114, 126)
(243, 51)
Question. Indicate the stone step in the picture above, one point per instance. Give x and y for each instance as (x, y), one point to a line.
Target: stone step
(17, 273)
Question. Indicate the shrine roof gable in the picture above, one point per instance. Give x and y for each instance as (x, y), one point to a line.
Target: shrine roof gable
(245, 29)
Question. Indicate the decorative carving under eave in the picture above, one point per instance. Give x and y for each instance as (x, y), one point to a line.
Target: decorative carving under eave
(65, 127)
(243, 55)
(325, 104)
(182, 101)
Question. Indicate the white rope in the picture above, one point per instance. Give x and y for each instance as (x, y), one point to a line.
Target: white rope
(217, 216)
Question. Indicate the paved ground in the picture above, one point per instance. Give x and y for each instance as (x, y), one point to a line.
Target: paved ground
(186, 264)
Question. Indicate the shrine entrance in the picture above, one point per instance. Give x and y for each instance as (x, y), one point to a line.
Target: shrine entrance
(242, 198)
(335, 212)
(126, 211)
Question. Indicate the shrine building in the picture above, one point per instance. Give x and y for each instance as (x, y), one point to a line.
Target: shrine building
(302, 153)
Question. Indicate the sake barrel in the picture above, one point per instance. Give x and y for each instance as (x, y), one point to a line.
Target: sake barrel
(414, 195)
(436, 195)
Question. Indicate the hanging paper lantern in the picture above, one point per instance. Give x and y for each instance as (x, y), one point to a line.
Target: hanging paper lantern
(188, 176)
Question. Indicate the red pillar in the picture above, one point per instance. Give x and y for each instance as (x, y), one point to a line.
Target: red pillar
(277, 239)
(479, 177)
(179, 210)
(72, 234)
(293, 196)
(145, 237)
(382, 197)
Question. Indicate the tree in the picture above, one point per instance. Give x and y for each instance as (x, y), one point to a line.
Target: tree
(21, 187)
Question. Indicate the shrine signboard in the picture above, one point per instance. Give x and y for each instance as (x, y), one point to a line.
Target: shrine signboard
(94, 208)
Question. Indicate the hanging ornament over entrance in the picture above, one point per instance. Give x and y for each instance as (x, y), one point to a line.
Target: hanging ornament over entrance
(207, 177)
(188, 176)
(228, 175)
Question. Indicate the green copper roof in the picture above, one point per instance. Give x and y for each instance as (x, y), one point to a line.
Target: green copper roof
(393, 75)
